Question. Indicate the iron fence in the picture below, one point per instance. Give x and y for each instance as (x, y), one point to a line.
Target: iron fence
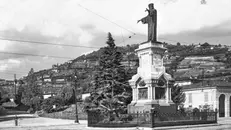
(154, 119)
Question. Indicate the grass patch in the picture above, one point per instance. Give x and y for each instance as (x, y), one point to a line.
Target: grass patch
(68, 113)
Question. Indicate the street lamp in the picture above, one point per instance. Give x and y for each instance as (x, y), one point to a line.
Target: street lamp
(15, 82)
(76, 105)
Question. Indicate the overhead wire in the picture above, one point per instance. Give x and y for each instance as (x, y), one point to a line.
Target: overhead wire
(106, 19)
(14, 53)
(45, 43)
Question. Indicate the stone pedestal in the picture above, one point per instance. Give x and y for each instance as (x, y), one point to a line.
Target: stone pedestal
(151, 85)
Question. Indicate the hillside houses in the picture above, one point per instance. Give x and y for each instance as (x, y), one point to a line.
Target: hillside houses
(8, 87)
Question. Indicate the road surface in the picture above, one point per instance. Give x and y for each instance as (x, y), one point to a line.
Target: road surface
(31, 122)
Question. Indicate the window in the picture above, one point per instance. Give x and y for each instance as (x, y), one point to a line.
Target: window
(190, 98)
(206, 96)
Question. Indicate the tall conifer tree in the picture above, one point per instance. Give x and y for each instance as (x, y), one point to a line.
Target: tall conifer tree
(111, 92)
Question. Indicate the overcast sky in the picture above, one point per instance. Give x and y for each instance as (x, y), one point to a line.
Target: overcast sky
(72, 22)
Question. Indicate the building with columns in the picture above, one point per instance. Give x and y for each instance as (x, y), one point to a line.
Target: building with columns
(210, 94)
(151, 84)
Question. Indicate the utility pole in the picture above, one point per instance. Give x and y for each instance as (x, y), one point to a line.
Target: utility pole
(15, 82)
(75, 78)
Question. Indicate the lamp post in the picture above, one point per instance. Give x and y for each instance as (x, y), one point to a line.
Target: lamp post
(15, 82)
(76, 105)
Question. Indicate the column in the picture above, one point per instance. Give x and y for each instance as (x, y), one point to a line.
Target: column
(167, 94)
(149, 93)
(136, 93)
(153, 92)
(227, 105)
(133, 94)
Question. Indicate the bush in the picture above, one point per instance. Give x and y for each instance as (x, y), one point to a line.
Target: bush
(3, 111)
(17, 99)
(36, 103)
(47, 104)
(68, 95)
(4, 99)
(126, 118)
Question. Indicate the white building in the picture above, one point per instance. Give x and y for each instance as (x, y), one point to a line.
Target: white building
(213, 94)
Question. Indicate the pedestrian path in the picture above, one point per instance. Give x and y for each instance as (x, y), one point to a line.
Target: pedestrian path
(36, 121)
(42, 123)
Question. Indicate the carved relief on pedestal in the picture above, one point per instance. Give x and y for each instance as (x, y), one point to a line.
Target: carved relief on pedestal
(157, 60)
(143, 93)
(142, 89)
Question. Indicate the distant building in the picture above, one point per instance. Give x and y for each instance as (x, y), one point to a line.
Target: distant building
(210, 94)
(8, 87)
(183, 82)
(84, 96)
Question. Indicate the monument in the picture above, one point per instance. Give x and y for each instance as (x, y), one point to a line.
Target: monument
(151, 86)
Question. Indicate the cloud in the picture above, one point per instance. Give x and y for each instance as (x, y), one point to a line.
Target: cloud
(8, 64)
(218, 34)
(21, 47)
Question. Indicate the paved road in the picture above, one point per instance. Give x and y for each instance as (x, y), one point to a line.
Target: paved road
(31, 122)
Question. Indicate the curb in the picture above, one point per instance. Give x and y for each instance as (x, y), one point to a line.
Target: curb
(178, 127)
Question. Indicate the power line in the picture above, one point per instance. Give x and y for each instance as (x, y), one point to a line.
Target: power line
(14, 71)
(14, 53)
(9, 73)
(44, 43)
(107, 20)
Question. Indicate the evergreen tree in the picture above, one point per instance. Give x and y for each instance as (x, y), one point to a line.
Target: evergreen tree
(31, 91)
(178, 96)
(111, 92)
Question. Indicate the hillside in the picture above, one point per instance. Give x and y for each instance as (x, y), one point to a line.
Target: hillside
(183, 62)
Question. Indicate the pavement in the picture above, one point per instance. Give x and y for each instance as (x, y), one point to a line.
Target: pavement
(32, 122)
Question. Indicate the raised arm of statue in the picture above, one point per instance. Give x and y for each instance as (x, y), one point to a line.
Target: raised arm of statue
(143, 20)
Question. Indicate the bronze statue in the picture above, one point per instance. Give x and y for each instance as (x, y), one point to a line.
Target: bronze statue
(151, 20)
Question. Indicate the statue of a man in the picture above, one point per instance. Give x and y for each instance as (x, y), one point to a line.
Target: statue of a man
(151, 20)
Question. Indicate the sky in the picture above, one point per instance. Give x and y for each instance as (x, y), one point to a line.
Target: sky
(87, 22)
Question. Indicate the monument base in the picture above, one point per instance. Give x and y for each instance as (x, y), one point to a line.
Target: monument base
(145, 106)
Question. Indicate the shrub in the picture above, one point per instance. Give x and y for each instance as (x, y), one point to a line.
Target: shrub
(47, 104)
(3, 111)
(126, 118)
(68, 95)
(36, 103)
(4, 99)
(17, 99)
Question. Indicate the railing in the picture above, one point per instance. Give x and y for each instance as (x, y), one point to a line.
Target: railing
(191, 118)
(155, 119)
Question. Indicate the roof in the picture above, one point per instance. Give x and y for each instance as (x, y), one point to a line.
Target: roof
(168, 76)
(207, 84)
